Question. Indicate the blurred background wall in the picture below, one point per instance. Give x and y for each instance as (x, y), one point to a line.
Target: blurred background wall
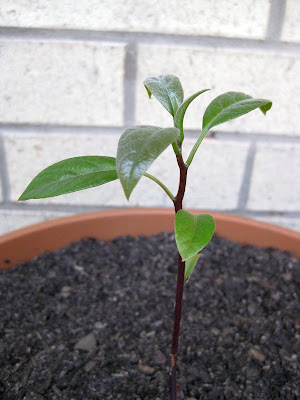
(71, 76)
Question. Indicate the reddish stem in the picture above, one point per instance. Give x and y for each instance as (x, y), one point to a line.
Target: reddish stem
(180, 283)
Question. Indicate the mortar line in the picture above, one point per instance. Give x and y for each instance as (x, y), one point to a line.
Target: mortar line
(242, 137)
(192, 41)
(247, 175)
(189, 133)
(3, 171)
(59, 208)
(276, 20)
(130, 76)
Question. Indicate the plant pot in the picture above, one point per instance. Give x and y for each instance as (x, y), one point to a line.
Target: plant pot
(24, 244)
(214, 328)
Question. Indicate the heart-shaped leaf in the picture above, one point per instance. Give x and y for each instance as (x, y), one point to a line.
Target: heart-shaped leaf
(229, 106)
(138, 147)
(192, 232)
(179, 116)
(167, 90)
(71, 175)
(190, 265)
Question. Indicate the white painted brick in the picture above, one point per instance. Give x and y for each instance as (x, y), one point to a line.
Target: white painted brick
(1, 190)
(275, 182)
(286, 222)
(221, 166)
(52, 82)
(247, 18)
(28, 154)
(266, 75)
(16, 219)
(215, 175)
(291, 26)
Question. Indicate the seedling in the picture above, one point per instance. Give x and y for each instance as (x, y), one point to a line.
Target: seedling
(138, 147)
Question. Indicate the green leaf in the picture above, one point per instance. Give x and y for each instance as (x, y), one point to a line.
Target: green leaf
(71, 175)
(138, 147)
(224, 108)
(167, 90)
(229, 106)
(179, 116)
(190, 265)
(148, 92)
(192, 232)
(266, 107)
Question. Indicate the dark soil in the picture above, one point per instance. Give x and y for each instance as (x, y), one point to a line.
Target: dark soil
(94, 321)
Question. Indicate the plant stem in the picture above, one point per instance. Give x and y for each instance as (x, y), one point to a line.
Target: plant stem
(176, 149)
(195, 148)
(156, 180)
(180, 283)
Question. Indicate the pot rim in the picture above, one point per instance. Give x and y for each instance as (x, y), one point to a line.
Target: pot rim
(57, 233)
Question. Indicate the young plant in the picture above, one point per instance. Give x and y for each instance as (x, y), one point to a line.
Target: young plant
(138, 147)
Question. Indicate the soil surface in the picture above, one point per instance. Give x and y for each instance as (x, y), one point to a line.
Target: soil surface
(94, 321)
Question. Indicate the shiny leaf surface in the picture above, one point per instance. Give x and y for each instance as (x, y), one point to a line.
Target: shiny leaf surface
(71, 175)
(167, 90)
(138, 147)
(224, 108)
(229, 106)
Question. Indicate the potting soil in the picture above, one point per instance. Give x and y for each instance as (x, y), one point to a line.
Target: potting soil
(94, 321)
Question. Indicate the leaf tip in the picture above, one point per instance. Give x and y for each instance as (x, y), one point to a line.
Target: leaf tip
(23, 197)
(148, 91)
(127, 193)
(266, 107)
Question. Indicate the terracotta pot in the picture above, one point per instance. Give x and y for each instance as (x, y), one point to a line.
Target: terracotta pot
(26, 243)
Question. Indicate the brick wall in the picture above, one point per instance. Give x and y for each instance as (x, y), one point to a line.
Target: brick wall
(71, 81)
